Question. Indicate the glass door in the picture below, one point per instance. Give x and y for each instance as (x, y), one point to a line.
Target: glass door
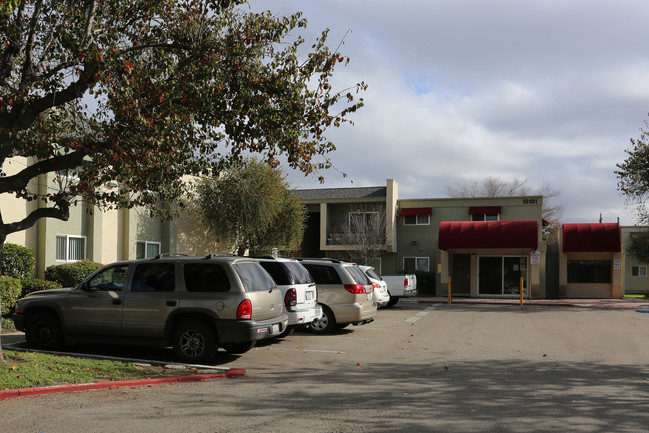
(502, 275)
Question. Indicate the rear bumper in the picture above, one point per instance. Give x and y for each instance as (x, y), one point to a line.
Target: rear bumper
(240, 331)
(304, 317)
(409, 293)
(354, 313)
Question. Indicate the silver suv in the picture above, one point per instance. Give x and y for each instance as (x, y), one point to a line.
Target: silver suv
(344, 292)
(194, 304)
(298, 289)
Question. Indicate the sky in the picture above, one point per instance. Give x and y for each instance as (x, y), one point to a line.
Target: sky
(459, 90)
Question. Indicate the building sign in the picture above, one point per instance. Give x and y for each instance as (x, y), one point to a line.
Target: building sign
(535, 258)
(617, 264)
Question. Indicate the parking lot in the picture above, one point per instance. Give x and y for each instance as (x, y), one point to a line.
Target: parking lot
(418, 367)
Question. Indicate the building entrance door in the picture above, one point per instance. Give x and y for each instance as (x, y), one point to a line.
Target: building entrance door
(501, 275)
(461, 276)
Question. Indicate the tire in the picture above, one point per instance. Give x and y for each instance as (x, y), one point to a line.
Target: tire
(194, 343)
(44, 332)
(235, 349)
(325, 324)
(392, 302)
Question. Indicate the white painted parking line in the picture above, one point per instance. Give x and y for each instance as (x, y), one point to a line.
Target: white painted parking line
(422, 313)
(307, 350)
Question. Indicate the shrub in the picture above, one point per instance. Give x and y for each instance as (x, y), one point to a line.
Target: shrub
(34, 285)
(17, 261)
(10, 291)
(71, 274)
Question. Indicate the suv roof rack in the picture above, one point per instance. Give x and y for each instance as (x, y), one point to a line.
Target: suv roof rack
(324, 259)
(212, 255)
(163, 255)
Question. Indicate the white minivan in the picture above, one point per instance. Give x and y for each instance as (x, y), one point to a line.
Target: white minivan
(298, 290)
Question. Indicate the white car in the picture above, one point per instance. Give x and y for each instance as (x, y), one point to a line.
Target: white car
(381, 295)
(298, 290)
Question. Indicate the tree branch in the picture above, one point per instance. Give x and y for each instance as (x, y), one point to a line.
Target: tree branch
(62, 213)
(19, 181)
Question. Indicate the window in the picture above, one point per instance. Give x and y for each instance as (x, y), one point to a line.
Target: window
(254, 278)
(589, 271)
(323, 274)
(638, 271)
(206, 277)
(416, 220)
(485, 217)
(70, 248)
(147, 249)
(109, 279)
(361, 219)
(154, 277)
(412, 264)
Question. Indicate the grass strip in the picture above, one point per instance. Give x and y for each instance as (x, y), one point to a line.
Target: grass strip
(31, 369)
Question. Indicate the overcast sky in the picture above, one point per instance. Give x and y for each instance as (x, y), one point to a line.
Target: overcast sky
(548, 90)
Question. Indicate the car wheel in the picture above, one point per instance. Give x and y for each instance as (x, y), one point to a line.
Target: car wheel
(238, 348)
(194, 343)
(392, 302)
(44, 332)
(324, 324)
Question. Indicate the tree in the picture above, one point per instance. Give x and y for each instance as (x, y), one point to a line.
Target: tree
(638, 246)
(498, 187)
(365, 234)
(633, 174)
(252, 206)
(141, 92)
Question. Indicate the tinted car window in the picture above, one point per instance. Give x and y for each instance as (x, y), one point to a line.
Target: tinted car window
(298, 273)
(372, 274)
(109, 279)
(323, 274)
(357, 275)
(205, 277)
(154, 277)
(278, 272)
(254, 278)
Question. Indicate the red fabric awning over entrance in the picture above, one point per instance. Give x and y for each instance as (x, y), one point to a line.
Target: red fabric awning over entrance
(595, 238)
(488, 234)
(489, 210)
(417, 211)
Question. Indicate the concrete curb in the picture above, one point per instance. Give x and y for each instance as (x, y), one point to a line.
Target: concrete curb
(27, 392)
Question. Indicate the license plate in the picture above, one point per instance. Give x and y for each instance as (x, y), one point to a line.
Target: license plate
(309, 296)
(274, 329)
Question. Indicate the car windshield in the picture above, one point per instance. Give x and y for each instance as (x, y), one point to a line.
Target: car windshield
(254, 278)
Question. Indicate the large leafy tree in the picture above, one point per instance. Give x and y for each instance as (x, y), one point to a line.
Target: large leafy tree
(142, 92)
(252, 207)
(633, 173)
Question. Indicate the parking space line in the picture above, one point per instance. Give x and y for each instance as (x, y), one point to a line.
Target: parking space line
(307, 350)
(422, 313)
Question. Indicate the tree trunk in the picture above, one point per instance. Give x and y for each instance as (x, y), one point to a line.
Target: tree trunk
(2, 242)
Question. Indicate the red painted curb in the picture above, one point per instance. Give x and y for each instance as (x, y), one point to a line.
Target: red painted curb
(26, 392)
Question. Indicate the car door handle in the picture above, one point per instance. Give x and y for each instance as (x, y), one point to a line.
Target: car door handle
(171, 303)
(117, 302)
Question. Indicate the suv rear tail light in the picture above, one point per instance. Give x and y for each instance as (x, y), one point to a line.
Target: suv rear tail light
(244, 312)
(290, 299)
(356, 289)
(376, 285)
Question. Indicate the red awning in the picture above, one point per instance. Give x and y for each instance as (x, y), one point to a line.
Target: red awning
(417, 211)
(490, 210)
(488, 234)
(595, 238)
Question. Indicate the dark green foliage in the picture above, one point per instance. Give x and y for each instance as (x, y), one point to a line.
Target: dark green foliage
(10, 291)
(426, 282)
(34, 285)
(17, 261)
(638, 246)
(71, 274)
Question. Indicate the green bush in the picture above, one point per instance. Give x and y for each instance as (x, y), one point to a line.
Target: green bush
(71, 274)
(10, 291)
(34, 285)
(17, 261)
(426, 282)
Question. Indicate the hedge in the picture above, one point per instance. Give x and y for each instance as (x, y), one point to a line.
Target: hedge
(17, 261)
(71, 274)
(34, 285)
(10, 291)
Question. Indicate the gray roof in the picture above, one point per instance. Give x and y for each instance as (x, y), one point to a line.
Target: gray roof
(341, 193)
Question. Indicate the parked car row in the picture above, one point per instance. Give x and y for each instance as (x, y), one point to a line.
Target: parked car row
(198, 304)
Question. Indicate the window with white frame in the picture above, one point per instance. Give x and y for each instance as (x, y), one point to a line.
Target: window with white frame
(638, 271)
(362, 219)
(485, 217)
(412, 264)
(147, 249)
(70, 248)
(416, 220)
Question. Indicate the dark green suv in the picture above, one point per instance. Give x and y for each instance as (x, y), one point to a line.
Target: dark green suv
(194, 304)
